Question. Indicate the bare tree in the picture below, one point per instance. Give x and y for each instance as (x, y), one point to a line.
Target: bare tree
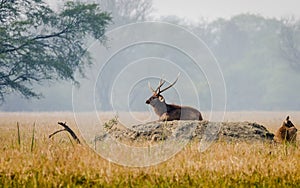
(126, 11)
(289, 41)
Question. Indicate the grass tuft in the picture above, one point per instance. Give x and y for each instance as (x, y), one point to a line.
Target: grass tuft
(32, 138)
(19, 137)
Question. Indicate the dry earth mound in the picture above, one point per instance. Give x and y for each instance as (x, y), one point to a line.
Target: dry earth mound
(158, 131)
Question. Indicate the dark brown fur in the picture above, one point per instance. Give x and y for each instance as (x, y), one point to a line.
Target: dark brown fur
(287, 132)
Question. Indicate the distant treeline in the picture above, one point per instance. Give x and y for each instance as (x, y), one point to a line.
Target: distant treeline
(259, 57)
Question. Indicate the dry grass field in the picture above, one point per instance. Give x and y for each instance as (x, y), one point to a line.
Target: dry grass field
(31, 159)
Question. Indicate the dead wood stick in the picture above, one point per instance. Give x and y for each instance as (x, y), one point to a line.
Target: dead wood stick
(56, 132)
(68, 129)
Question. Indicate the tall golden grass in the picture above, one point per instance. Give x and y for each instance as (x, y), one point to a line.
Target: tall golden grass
(36, 161)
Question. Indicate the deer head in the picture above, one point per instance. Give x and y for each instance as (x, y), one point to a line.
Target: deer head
(288, 122)
(157, 99)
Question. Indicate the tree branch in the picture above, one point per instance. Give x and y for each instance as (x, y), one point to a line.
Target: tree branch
(50, 36)
(34, 39)
(68, 129)
(56, 132)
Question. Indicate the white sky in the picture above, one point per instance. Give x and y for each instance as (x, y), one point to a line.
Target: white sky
(213, 9)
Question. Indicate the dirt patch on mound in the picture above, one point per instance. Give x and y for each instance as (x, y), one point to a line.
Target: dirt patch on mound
(159, 131)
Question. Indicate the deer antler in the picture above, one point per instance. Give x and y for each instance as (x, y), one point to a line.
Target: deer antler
(161, 82)
(151, 87)
(171, 84)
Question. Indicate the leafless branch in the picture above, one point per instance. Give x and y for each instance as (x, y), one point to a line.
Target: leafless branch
(68, 129)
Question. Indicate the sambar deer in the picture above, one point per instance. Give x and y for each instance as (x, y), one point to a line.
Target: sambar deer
(170, 112)
(287, 132)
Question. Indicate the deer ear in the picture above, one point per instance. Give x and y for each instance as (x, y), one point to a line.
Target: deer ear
(161, 98)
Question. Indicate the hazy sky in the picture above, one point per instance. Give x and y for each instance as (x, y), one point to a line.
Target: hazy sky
(212, 9)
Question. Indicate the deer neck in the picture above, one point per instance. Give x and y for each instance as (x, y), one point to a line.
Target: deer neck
(160, 108)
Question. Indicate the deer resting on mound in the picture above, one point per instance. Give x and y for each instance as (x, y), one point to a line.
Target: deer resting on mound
(287, 132)
(170, 112)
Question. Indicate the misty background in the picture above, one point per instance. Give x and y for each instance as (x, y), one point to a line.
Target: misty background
(258, 55)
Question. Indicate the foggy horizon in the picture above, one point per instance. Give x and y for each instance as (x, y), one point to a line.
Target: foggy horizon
(247, 44)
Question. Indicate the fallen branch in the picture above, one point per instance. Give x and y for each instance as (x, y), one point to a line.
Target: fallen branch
(68, 129)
